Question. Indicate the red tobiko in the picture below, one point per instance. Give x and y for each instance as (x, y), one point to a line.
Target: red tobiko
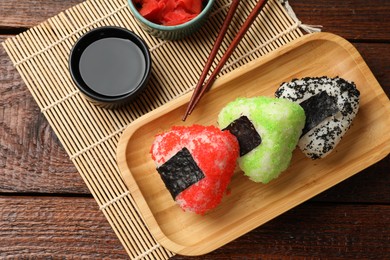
(169, 12)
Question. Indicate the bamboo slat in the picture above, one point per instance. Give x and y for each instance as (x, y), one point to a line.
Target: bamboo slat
(90, 134)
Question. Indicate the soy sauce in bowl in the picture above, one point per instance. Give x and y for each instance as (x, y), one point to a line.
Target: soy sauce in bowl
(110, 66)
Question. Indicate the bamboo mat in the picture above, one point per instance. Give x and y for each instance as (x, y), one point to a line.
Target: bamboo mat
(89, 133)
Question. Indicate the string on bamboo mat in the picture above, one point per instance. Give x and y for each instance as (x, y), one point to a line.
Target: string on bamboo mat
(90, 134)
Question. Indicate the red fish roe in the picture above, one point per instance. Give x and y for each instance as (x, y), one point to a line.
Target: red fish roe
(214, 151)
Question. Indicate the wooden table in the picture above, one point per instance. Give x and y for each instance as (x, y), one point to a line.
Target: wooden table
(46, 211)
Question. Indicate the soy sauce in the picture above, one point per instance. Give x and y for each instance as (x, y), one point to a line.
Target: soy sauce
(112, 66)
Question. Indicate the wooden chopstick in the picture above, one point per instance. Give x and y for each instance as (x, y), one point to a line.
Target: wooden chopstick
(201, 89)
(213, 53)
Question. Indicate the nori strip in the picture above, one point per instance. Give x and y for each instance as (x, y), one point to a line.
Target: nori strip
(180, 172)
(247, 136)
(317, 108)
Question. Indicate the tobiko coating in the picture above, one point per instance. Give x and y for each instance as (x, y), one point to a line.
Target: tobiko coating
(197, 188)
(169, 12)
(278, 122)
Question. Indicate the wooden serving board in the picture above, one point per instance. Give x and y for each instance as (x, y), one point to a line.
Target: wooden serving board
(250, 204)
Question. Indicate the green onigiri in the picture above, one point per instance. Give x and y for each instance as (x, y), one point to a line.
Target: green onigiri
(279, 124)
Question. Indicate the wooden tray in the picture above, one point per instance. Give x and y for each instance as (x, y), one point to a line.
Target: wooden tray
(250, 204)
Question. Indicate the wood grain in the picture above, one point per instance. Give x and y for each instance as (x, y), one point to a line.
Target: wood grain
(26, 14)
(352, 19)
(249, 204)
(349, 19)
(346, 232)
(31, 157)
(45, 166)
(347, 221)
(369, 186)
(73, 228)
(90, 134)
(43, 227)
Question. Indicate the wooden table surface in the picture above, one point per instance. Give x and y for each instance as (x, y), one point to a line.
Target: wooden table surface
(46, 210)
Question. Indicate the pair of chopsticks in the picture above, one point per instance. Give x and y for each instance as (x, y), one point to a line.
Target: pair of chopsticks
(202, 87)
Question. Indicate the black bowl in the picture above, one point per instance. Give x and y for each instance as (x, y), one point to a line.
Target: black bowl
(110, 65)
